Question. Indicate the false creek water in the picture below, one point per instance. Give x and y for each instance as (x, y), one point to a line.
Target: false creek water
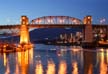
(50, 59)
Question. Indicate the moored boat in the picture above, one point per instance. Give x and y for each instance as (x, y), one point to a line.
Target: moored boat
(7, 48)
(103, 43)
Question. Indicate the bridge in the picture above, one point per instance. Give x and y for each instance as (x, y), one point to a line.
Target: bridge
(55, 22)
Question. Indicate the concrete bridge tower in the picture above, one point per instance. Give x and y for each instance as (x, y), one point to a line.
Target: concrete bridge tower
(24, 31)
(88, 29)
(107, 32)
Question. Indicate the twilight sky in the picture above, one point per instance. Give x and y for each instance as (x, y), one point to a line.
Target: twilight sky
(12, 10)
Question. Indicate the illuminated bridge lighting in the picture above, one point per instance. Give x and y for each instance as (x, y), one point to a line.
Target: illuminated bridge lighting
(53, 22)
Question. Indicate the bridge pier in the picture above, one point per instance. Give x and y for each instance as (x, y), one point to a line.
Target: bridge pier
(88, 29)
(88, 33)
(107, 32)
(24, 33)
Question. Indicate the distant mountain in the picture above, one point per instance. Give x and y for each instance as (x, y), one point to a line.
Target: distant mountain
(38, 34)
(50, 33)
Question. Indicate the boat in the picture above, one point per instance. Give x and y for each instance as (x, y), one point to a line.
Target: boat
(103, 43)
(7, 48)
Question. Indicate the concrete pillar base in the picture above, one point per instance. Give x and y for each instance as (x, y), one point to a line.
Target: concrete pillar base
(88, 45)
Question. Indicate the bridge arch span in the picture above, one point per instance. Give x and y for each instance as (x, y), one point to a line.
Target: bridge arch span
(56, 20)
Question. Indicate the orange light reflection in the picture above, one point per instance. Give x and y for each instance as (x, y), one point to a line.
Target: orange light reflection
(103, 65)
(4, 59)
(39, 67)
(31, 55)
(107, 55)
(51, 67)
(62, 67)
(23, 61)
(16, 67)
(7, 68)
(90, 69)
(75, 67)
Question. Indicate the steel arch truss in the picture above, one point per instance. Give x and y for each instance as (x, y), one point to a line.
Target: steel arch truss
(56, 20)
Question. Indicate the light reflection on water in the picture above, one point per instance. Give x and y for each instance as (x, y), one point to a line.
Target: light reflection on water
(7, 67)
(5, 59)
(51, 67)
(55, 60)
(62, 67)
(75, 67)
(39, 67)
(103, 62)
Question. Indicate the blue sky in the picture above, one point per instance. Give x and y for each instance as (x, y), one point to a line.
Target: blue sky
(12, 10)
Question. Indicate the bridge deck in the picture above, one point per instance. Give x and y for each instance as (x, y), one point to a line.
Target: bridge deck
(50, 26)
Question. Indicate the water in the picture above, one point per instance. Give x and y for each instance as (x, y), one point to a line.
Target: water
(50, 59)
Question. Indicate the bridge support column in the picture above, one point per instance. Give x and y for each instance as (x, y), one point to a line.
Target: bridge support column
(24, 31)
(88, 35)
(107, 32)
(88, 29)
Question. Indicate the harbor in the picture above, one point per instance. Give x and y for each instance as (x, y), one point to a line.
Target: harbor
(53, 37)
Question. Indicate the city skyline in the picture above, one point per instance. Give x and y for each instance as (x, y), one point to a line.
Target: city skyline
(12, 10)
